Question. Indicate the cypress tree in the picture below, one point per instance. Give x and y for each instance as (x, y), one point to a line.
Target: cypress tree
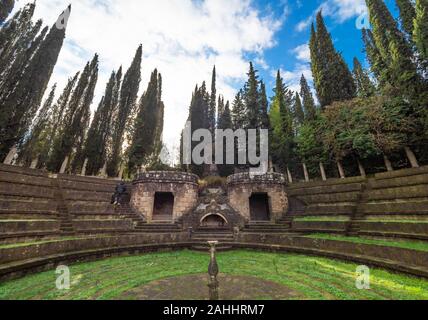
(307, 100)
(333, 80)
(145, 131)
(126, 109)
(238, 112)
(220, 108)
(28, 92)
(282, 124)
(298, 110)
(6, 7)
(252, 98)
(213, 99)
(365, 87)
(96, 146)
(224, 123)
(420, 33)
(34, 144)
(75, 121)
(264, 106)
(377, 64)
(407, 15)
(400, 71)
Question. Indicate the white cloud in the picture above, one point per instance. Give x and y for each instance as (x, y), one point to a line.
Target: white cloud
(292, 77)
(338, 10)
(182, 38)
(302, 53)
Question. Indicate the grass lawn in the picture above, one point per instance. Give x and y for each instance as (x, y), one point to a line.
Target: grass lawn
(311, 277)
(406, 244)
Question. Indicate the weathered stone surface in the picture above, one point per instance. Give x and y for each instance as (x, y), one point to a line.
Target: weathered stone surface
(242, 186)
(183, 186)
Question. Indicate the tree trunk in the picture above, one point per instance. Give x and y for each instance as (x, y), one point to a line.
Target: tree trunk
(85, 164)
(64, 165)
(412, 158)
(305, 171)
(34, 163)
(122, 169)
(341, 171)
(103, 171)
(290, 178)
(388, 163)
(361, 168)
(323, 175)
(11, 155)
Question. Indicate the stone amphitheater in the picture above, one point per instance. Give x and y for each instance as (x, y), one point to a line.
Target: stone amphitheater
(47, 220)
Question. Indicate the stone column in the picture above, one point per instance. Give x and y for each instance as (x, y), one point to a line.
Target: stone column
(34, 163)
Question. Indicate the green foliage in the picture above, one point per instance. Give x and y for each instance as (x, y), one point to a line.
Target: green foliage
(6, 7)
(146, 137)
(332, 78)
(75, 122)
(27, 79)
(407, 15)
(365, 87)
(98, 144)
(364, 127)
(125, 112)
(281, 119)
(420, 32)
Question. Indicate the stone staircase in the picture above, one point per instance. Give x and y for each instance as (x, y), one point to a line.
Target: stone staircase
(358, 216)
(66, 224)
(203, 235)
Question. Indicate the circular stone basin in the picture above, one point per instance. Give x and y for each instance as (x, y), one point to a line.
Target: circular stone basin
(195, 287)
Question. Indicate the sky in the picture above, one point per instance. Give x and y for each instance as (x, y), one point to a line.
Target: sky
(184, 39)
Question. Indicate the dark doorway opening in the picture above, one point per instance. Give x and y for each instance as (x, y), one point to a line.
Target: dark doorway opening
(164, 206)
(259, 207)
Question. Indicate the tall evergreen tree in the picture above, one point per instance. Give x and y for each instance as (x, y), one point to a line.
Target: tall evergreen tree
(400, 71)
(377, 64)
(299, 114)
(264, 106)
(96, 146)
(420, 33)
(365, 87)
(33, 145)
(252, 98)
(224, 123)
(220, 108)
(75, 121)
(239, 112)
(407, 15)
(23, 101)
(333, 80)
(307, 99)
(281, 119)
(6, 7)
(213, 100)
(125, 111)
(145, 132)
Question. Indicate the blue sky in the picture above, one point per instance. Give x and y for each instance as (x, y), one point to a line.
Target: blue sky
(183, 39)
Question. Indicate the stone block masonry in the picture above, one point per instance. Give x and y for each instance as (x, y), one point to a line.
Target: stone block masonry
(242, 186)
(183, 186)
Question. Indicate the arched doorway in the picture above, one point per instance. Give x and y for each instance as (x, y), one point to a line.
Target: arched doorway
(259, 207)
(213, 220)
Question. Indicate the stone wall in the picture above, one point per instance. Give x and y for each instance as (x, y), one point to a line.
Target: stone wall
(397, 193)
(182, 185)
(332, 197)
(242, 186)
